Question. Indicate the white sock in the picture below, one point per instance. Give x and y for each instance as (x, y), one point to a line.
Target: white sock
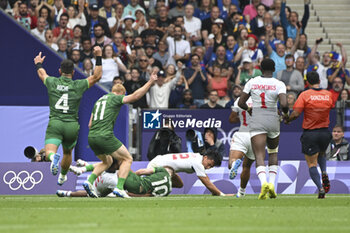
(241, 191)
(68, 193)
(261, 172)
(272, 173)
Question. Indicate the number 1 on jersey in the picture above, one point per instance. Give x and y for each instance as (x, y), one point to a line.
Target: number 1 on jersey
(263, 104)
(102, 110)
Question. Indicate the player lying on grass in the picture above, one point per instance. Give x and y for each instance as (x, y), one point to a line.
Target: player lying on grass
(190, 163)
(156, 182)
(241, 146)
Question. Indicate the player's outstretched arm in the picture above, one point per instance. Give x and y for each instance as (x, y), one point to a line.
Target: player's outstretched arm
(38, 61)
(93, 79)
(141, 91)
(140, 195)
(212, 188)
(144, 171)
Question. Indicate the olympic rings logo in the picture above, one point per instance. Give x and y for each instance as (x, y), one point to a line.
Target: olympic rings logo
(11, 178)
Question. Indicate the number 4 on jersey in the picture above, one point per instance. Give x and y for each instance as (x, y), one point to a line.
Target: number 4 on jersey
(62, 103)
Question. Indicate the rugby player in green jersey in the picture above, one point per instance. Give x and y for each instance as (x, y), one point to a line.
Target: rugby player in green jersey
(155, 183)
(101, 136)
(64, 99)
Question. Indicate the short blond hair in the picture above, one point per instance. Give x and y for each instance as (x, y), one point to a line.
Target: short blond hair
(119, 89)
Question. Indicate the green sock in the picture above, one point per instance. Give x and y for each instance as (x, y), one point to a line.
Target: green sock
(51, 156)
(89, 168)
(120, 184)
(64, 172)
(92, 178)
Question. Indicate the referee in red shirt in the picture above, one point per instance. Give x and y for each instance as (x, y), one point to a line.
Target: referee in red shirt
(316, 104)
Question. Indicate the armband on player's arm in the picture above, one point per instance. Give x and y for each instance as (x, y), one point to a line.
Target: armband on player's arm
(98, 61)
(38, 65)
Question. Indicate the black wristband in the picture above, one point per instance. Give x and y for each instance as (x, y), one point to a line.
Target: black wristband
(99, 61)
(39, 65)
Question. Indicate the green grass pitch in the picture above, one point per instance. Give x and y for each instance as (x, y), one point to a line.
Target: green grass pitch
(177, 213)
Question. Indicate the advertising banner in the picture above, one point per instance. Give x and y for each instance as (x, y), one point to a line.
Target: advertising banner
(31, 178)
(199, 119)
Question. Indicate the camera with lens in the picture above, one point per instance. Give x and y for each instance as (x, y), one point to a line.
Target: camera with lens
(194, 141)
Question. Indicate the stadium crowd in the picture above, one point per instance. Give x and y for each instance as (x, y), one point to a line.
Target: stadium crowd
(203, 50)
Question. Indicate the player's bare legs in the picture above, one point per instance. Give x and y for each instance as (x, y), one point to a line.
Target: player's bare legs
(272, 149)
(50, 151)
(235, 160)
(65, 164)
(245, 176)
(258, 145)
(315, 176)
(64, 193)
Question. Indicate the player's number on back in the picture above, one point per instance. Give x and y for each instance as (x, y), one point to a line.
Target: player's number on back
(263, 103)
(160, 188)
(244, 115)
(180, 156)
(62, 103)
(102, 112)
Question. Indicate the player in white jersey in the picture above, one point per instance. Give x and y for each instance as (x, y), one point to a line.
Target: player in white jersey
(189, 163)
(241, 146)
(264, 128)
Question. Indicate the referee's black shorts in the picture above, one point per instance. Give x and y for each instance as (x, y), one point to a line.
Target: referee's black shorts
(315, 140)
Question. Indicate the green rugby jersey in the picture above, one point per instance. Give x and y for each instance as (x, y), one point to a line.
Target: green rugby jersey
(158, 183)
(105, 113)
(64, 97)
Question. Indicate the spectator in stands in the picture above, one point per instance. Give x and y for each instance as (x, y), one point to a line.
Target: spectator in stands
(118, 80)
(163, 20)
(251, 51)
(119, 47)
(62, 47)
(140, 23)
(319, 67)
(59, 9)
(337, 69)
(291, 23)
(225, 5)
(204, 10)
(225, 65)
(149, 51)
(302, 50)
(143, 68)
(231, 48)
(192, 26)
(292, 78)
(3, 4)
(115, 22)
(250, 11)
(217, 33)
(207, 23)
(257, 24)
(107, 11)
(246, 71)
(100, 38)
(62, 31)
(212, 143)
(213, 101)
(338, 148)
(133, 84)
(162, 55)
(275, 11)
(300, 65)
(76, 18)
(88, 67)
(86, 51)
(278, 57)
(75, 57)
(111, 67)
(337, 87)
(39, 31)
(179, 49)
(235, 23)
(197, 80)
(179, 10)
(46, 11)
(49, 40)
(21, 14)
(92, 19)
(219, 83)
(159, 93)
(128, 22)
(242, 37)
(187, 100)
(131, 8)
(181, 85)
(291, 98)
(236, 92)
(152, 30)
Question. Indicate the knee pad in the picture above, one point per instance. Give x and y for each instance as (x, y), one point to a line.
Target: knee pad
(275, 150)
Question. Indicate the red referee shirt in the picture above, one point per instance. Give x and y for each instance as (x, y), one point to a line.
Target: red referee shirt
(316, 104)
